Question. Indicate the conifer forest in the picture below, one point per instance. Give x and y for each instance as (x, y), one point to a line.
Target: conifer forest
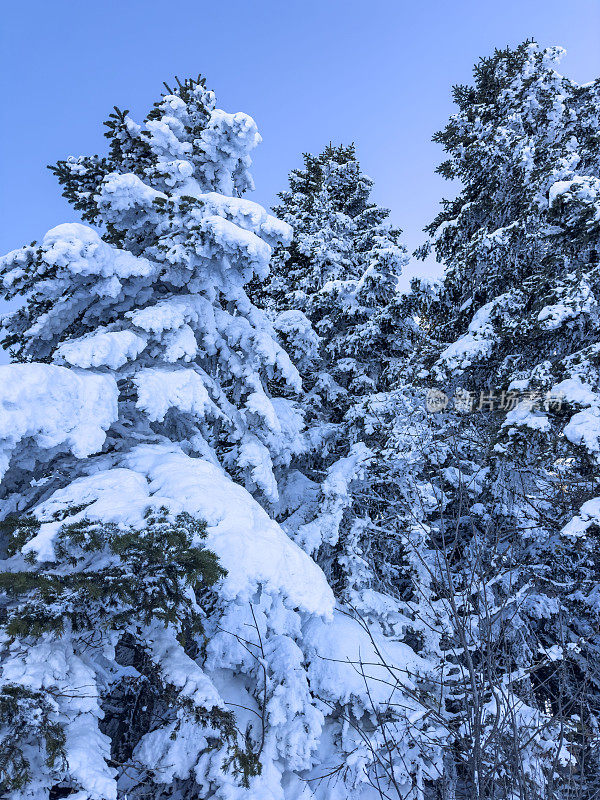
(272, 526)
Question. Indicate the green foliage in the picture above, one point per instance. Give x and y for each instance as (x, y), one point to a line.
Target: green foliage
(129, 151)
(105, 574)
(25, 714)
(105, 578)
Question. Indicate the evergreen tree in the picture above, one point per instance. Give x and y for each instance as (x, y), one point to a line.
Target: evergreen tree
(145, 380)
(341, 270)
(109, 621)
(159, 300)
(333, 296)
(513, 342)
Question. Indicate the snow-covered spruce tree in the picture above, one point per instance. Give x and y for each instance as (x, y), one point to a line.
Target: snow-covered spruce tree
(157, 300)
(517, 519)
(333, 297)
(134, 596)
(145, 382)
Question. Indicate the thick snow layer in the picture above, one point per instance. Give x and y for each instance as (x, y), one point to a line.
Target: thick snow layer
(110, 349)
(523, 415)
(250, 546)
(179, 669)
(81, 251)
(576, 298)
(584, 429)
(247, 215)
(53, 666)
(350, 663)
(254, 457)
(335, 499)
(127, 192)
(582, 187)
(237, 243)
(589, 514)
(476, 343)
(302, 341)
(56, 407)
(574, 392)
(159, 390)
(169, 314)
(554, 316)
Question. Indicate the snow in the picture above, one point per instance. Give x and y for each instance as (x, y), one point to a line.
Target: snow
(346, 653)
(250, 546)
(258, 403)
(524, 415)
(247, 215)
(171, 321)
(78, 249)
(172, 750)
(127, 192)
(180, 344)
(576, 298)
(108, 495)
(556, 315)
(336, 497)
(110, 349)
(55, 407)
(256, 459)
(584, 429)
(160, 389)
(476, 343)
(237, 243)
(179, 669)
(582, 187)
(575, 392)
(168, 314)
(226, 140)
(589, 514)
(302, 342)
(52, 666)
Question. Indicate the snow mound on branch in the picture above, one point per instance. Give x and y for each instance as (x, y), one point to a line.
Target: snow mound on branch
(55, 407)
(110, 349)
(555, 315)
(247, 215)
(589, 514)
(524, 415)
(53, 665)
(353, 662)
(161, 389)
(78, 249)
(250, 546)
(475, 344)
(584, 429)
(238, 243)
(575, 392)
(126, 192)
(180, 670)
(335, 499)
(170, 314)
(584, 188)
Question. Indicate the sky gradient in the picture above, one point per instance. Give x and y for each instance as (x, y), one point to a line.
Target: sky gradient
(375, 72)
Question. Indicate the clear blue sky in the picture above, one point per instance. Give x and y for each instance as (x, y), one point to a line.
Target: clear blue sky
(376, 72)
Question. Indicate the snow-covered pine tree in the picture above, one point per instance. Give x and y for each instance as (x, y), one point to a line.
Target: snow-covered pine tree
(144, 381)
(333, 297)
(157, 300)
(516, 317)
